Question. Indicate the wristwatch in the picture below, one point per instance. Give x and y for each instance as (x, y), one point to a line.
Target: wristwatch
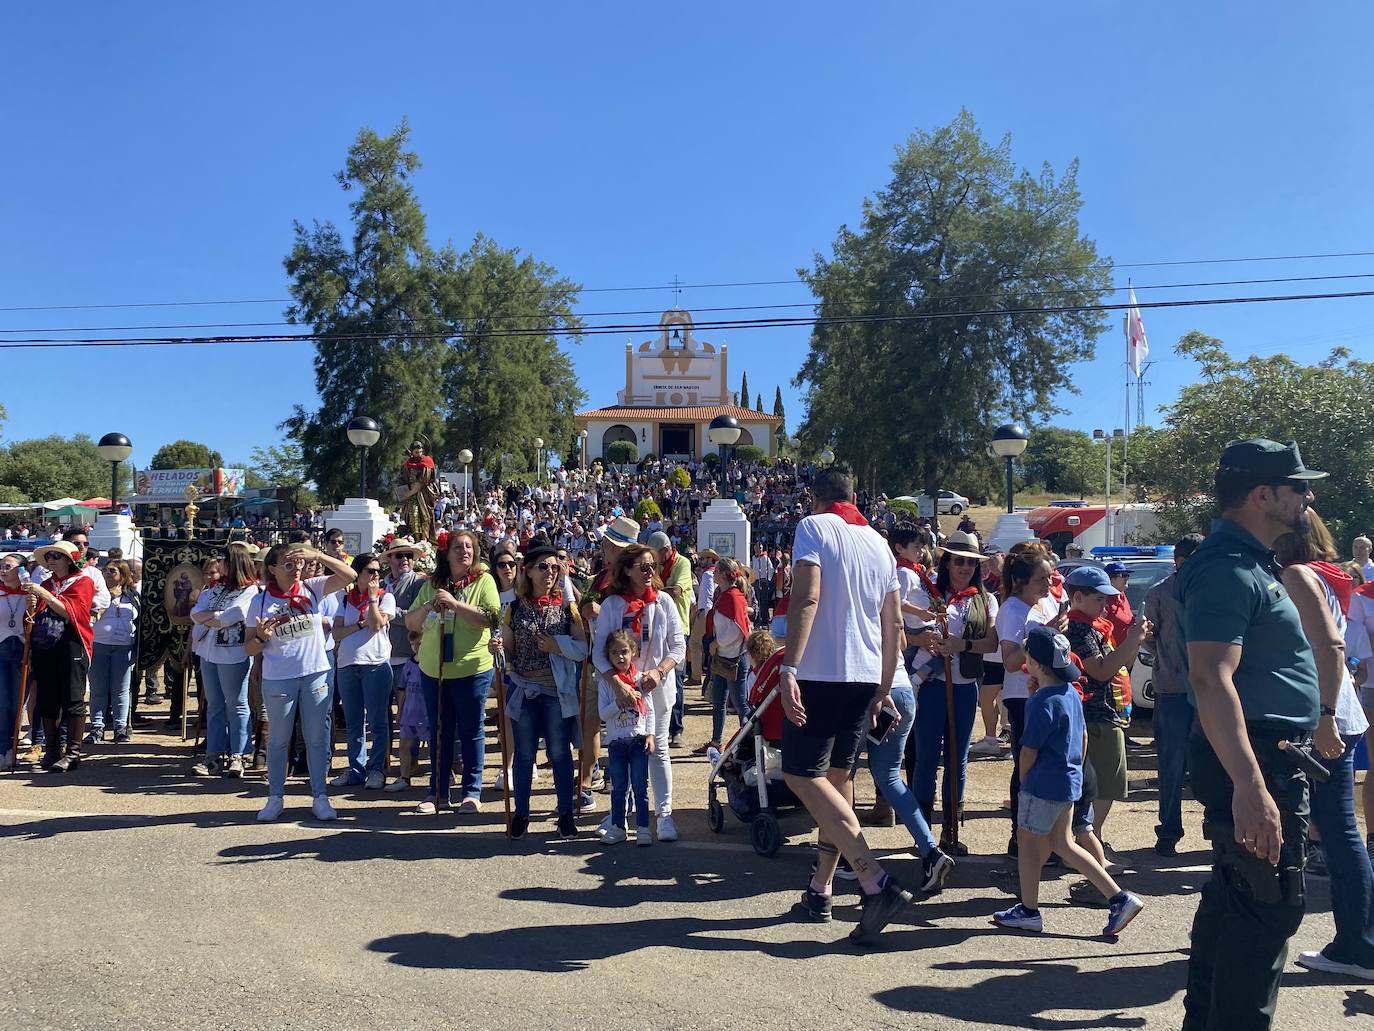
(785, 668)
(1328, 711)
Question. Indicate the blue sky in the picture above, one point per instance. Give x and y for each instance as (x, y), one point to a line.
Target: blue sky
(159, 152)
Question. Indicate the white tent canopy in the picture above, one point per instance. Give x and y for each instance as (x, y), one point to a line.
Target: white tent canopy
(60, 503)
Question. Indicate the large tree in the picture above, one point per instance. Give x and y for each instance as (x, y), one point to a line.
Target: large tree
(186, 454)
(506, 379)
(371, 302)
(1324, 407)
(282, 466)
(908, 370)
(780, 411)
(48, 468)
(1070, 462)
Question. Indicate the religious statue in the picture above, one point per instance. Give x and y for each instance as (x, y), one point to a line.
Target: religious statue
(418, 492)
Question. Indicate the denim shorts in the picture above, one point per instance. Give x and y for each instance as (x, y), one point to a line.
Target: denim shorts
(1038, 815)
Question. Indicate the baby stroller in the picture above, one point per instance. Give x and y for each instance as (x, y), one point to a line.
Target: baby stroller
(750, 767)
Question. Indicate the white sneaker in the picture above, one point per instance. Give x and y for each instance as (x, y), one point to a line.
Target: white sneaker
(269, 812)
(399, 784)
(613, 836)
(986, 746)
(374, 781)
(343, 780)
(322, 809)
(1317, 961)
(604, 825)
(667, 829)
(643, 837)
(426, 808)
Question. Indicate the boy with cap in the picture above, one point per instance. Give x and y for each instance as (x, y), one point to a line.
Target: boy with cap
(1107, 686)
(1118, 607)
(1051, 761)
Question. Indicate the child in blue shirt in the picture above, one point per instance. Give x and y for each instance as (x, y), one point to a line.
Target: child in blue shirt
(1051, 781)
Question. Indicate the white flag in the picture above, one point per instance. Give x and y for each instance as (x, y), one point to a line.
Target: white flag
(1137, 347)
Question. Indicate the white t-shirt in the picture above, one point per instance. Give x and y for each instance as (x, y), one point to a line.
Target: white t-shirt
(956, 615)
(1014, 619)
(908, 583)
(858, 572)
(365, 647)
(1358, 626)
(222, 645)
(296, 647)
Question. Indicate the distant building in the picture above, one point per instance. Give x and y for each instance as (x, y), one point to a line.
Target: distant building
(674, 387)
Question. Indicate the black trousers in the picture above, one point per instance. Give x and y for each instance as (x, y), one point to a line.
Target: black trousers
(1249, 909)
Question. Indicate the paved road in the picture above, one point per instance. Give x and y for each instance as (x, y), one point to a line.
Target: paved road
(138, 897)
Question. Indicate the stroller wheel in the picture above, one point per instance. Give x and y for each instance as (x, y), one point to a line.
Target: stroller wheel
(715, 814)
(765, 834)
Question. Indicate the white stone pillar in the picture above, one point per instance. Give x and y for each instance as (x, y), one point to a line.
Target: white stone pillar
(725, 529)
(362, 521)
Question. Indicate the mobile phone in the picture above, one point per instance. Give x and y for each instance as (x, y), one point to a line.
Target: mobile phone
(886, 720)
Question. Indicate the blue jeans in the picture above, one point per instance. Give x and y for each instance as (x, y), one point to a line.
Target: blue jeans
(9, 699)
(675, 724)
(366, 695)
(885, 763)
(541, 715)
(110, 682)
(283, 698)
(464, 718)
(931, 722)
(1173, 725)
(1352, 897)
(629, 764)
(719, 686)
(226, 706)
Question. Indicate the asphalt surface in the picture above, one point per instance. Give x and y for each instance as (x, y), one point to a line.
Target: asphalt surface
(136, 896)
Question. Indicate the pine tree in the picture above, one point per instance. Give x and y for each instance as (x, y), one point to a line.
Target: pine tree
(758, 403)
(743, 397)
(779, 412)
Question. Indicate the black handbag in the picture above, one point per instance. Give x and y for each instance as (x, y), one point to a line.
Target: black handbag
(48, 629)
(975, 629)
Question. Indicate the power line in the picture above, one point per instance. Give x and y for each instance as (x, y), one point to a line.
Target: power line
(767, 323)
(741, 307)
(718, 286)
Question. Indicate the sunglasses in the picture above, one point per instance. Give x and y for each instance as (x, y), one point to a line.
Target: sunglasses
(963, 560)
(1296, 486)
(547, 567)
(505, 565)
(373, 571)
(645, 567)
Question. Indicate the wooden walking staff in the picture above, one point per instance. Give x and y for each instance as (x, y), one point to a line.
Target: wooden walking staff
(30, 607)
(949, 817)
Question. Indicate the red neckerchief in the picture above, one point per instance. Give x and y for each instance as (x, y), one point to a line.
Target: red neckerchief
(356, 599)
(1366, 590)
(11, 590)
(1341, 583)
(906, 563)
(631, 680)
(296, 597)
(952, 596)
(847, 512)
(1057, 586)
(211, 582)
(672, 561)
(732, 604)
(547, 601)
(634, 606)
(1101, 624)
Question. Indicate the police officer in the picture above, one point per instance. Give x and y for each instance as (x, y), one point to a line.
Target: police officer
(1253, 680)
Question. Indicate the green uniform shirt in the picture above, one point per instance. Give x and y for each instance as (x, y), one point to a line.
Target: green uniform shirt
(1231, 593)
(469, 655)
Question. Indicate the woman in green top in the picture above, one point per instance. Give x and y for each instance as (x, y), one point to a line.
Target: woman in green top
(456, 611)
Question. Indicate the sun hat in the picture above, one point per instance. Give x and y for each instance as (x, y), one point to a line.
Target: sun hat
(401, 544)
(1049, 647)
(623, 532)
(961, 542)
(67, 548)
(1090, 578)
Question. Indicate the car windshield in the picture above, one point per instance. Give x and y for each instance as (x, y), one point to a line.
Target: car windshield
(1145, 575)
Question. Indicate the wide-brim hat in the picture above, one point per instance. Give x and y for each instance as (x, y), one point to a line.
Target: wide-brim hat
(961, 542)
(623, 532)
(67, 548)
(399, 545)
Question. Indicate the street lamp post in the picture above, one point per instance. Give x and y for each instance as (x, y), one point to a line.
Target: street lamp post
(465, 459)
(114, 448)
(363, 432)
(723, 432)
(1116, 435)
(583, 437)
(539, 458)
(1010, 442)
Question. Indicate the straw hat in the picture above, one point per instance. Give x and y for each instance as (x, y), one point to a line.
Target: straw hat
(67, 548)
(623, 532)
(963, 543)
(401, 544)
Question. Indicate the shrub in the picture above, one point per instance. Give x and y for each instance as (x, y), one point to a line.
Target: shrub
(750, 453)
(622, 452)
(647, 511)
(680, 478)
(650, 457)
(711, 458)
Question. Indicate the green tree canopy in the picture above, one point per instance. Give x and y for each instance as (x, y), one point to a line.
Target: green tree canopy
(779, 411)
(186, 454)
(1070, 462)
(957, 232)
(1324, 407)
(47, 468)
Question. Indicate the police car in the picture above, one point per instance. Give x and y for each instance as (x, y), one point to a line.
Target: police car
(1148, 565)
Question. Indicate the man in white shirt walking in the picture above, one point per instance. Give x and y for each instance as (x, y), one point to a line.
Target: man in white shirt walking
(843, 641)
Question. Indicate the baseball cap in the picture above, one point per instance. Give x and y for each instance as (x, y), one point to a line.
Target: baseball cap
(658, 540)
(1090, 578)
(1116, 568)
(1266, 460)
(1050, 648)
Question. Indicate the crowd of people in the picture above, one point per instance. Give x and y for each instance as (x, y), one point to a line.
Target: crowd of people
(587, 602)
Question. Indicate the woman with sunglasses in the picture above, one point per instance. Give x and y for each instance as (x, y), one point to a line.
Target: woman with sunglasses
(544, 641)
(971, 615)
(363, 642)
(224, 663)
(456, 611)
(285, 627)
(61, 650)
(637, 602)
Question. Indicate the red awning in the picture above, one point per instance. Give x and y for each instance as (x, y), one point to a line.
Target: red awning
(95, 503)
